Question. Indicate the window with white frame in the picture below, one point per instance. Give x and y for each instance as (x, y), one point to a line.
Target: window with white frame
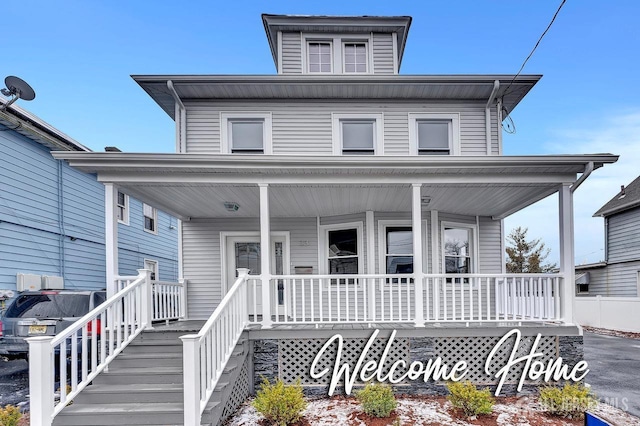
(354, 57)
(434, 133)
(343, 254)
(152, 265)
(355, 134)
(398, 249)
(319, 57)
(457, 247)
(150, 218)
(245, 133)
(123, 208)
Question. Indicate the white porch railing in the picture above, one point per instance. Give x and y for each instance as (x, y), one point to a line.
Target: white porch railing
(205, 355)
(318, 299)
(84, 349)
(169, 300)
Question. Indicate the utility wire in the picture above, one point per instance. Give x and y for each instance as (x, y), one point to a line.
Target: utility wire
(535, 47)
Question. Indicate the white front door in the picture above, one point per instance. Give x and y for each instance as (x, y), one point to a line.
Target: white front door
(244, 252)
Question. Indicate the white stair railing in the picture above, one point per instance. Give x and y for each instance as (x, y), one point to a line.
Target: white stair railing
(168, 300)
(205, 355)
(83, 350)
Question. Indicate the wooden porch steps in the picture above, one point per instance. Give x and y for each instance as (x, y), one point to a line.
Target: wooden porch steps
(144, 386)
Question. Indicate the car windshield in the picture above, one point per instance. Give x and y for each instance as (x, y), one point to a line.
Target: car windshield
(49, 306)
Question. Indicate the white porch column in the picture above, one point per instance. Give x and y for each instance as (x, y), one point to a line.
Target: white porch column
(418, 271)
(111, 236)
(371, 265)
(265, 255)
(567, 258)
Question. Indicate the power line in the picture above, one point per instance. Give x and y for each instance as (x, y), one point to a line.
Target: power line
(536, 46)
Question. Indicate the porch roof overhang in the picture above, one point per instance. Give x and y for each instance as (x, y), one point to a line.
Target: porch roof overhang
(434, 88)
(196, 186)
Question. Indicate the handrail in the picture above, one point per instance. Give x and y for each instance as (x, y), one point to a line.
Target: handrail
(206, 354)
(90, 344)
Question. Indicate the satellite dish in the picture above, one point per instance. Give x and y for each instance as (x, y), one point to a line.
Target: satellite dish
(17, 88)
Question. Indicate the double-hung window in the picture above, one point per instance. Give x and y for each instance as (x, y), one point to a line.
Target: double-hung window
(357, 134)
(319, 57)
(123, 208)
(342, 249)
(245, 133)
(150, 218)
(399, 250)
(434, 133)
(354, 57)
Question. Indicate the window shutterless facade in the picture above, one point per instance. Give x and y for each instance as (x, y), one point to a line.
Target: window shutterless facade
(123, 208)
(434, 133)
(357, 134)
(459, 250)
(399, 250)
(355, 57)
(150, 215)
(319, 57)
(245, 132)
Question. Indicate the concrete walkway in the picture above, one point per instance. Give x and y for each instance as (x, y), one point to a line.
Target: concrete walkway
(614, 364)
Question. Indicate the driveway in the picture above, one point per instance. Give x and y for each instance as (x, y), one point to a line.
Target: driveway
(14, 382)
(615, 370)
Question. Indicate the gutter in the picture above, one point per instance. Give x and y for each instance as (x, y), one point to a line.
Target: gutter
(28, 127)
(587, 171)
(180, 119)
(487, 114)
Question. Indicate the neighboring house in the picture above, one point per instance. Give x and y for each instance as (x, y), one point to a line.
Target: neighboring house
(355, 198)
(608, 292)
(52, 217)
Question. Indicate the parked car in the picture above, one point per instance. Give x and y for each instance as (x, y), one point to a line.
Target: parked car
(42, 313)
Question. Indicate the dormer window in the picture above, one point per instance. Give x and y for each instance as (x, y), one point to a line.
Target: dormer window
(319, 57)
(354, 57)
(245, 132)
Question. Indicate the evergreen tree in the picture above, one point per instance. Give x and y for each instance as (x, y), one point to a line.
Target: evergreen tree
(525, 256)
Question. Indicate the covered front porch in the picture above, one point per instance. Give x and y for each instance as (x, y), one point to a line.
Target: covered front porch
(289, 244)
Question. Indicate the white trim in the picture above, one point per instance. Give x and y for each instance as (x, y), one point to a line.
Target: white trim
(503, 248)
(155, 268)
(111, 236)
(225, 116)
(336, 130)
(382, 241)
(394, 38)
(180, 252)
(435, 242)
(255, 235)
(368, 54)
(155, 220)
(125, 220)
(454, 129)
(324, 239)
(371, 242)
(337, 50)
(474, 243)
(279, 66)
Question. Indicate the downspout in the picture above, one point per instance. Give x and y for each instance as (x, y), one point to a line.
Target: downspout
(499, 115)
(487, 114)
(583, 177)
(180, 119)
(61, 240)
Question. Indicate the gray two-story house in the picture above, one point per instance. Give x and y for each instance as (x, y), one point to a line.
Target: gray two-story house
(336, 195)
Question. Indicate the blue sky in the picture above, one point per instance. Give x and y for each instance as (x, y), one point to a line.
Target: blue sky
(79, 55)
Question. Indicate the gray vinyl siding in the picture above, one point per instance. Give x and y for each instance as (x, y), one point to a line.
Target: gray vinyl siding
(291, 53)
(383, 53)
(202, 253)
(306, 128)
(490, 254)
(615, 280)
(624, 236)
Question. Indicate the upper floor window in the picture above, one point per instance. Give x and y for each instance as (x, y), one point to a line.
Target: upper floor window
(354, 57)
(319, 57)
(150, 218)
(357, 134)
(434, 133)
(245, 133)
(123, 208)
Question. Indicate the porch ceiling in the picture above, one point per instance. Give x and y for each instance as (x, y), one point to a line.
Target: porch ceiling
(196, 186)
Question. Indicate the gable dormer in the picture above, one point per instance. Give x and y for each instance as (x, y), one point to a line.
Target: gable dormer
(337, 45)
